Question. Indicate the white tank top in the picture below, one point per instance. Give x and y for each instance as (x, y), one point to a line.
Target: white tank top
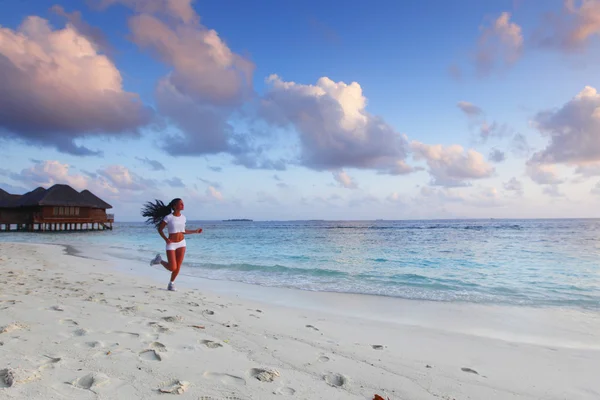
(175, 224)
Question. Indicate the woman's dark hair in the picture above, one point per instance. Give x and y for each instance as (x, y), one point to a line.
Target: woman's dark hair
(155, 212)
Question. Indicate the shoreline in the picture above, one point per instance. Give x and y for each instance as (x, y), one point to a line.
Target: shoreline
(116, 333)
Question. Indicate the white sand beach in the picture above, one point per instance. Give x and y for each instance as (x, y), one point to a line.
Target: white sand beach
(82, 328)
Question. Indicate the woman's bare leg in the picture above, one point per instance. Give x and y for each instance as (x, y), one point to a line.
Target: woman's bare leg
(170, 266)
(179, 254)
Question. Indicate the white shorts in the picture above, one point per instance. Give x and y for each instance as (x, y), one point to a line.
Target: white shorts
(175, 245)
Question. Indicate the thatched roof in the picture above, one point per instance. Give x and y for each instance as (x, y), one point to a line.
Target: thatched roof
(57, 195)
(92, 198)
(7, 198)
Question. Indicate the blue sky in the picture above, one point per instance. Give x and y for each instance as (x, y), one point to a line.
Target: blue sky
(302, 110)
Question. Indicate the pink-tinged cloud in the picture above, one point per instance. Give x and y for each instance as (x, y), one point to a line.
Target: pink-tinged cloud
(572, 28)
(344, 180)
(48, 173)
(181, 10)
(452, 165)
(204, 68)
(207, 83)
(500, 45)
(55, 87)
(334, 127)
(573, 130)
(122, 178)
(93, 34)
(213, 193)
(543, 174)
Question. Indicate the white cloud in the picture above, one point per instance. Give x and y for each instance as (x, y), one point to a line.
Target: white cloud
(48, 173)
(513, 185)
(543, 174)
(574, 131)
(520, 146)
(477, 120)
(344, 180)
(153, 164)
(596, 189)
(497, 156)
(175, 182)
(588, 169)
(553, 191)
(470, 109)
(55, 87)
(334, 127)
(500, 44)
(452, 165)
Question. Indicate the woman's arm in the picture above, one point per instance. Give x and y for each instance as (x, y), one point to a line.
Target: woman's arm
(199, 230)
(161, 228)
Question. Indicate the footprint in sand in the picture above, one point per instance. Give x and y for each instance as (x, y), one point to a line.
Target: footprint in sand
(208, 312)
(158, 346)
(335, 380)
(150, 355)
(287, 391)
(221, 398)
(176, 318)
(175, 387)
(128, 334)
(158, 327)
(15, 326)
(50, 362)
(264, 375)
(312, 327)
(94, 344)
(81, 332)
(377, 347)
(91, 381)
(9, 376)
(57, 308)
(225, 378)
(469, 370)
(69, 322)
(323, 359)
(210, 344)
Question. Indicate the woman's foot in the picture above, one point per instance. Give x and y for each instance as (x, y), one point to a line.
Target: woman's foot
(156, 260)
(171, 287)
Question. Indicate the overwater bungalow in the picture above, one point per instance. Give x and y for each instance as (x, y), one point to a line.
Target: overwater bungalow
(58, 208)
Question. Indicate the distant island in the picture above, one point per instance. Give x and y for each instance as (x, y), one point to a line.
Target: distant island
(237, 220)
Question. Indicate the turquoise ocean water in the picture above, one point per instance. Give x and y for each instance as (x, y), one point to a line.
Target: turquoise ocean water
(518, 262)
